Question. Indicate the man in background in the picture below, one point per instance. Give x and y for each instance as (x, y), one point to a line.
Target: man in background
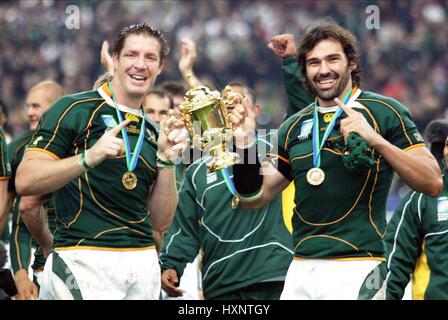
(30, 220)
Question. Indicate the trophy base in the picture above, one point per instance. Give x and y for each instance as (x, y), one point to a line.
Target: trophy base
(223, 160)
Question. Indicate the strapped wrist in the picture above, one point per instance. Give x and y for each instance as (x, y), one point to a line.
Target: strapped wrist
(83, 162)
(163, 162)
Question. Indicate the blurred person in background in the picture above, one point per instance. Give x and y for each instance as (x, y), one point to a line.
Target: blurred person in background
(4, 216)
(417, 234)
(156, 105)
(31, 221)
(8, 289)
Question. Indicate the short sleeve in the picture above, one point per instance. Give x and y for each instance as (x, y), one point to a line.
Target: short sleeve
(278, 155)
(57, 130)
(400, 129)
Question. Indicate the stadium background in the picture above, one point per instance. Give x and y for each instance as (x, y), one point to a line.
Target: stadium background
(406, 58)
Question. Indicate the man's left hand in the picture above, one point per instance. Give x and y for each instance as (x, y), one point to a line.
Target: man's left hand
(173, 143)
(356, 122)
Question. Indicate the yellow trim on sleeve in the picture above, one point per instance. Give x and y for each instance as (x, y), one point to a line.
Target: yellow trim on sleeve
(394, 111)
(273, 155)
(51, 154)
(64, 114)
(414, 146)
(4, 178)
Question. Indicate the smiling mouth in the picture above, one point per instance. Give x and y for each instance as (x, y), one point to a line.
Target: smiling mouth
(326, 83)
(138, 78)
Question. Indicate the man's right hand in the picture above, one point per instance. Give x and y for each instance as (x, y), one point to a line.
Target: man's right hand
(170, 283)
(283, 45)
(187, 55)
(244, 122)
(108, 146)
(26, 289)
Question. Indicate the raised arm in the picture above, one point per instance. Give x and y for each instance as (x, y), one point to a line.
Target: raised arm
(186, 62)
(106, 58)
(283, 46)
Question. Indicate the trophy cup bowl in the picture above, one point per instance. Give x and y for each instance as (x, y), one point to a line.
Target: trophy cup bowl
(205, 115)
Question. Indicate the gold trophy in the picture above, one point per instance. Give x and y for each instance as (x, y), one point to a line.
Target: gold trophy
(205, 111)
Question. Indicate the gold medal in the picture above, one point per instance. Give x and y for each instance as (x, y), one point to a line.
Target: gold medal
(235, 202)
(315, 176)
(129, 180)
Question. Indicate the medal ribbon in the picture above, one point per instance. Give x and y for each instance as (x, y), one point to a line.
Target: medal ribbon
(131, 162)
(317, 145)
(228, 180)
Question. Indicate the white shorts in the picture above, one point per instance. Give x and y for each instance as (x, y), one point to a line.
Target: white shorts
(38, 276)
(314, 279)
(82, 274)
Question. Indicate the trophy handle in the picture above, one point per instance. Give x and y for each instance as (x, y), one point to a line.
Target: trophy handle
(192, 83)
(169, 122)
(229, 99)
(172, 119)
(186, 118)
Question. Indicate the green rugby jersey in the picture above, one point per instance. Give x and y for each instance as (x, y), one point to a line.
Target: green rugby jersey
(344, 217)
(95, 210)
(419, 229)
(238, 247)
(21, 239)
(5, 173)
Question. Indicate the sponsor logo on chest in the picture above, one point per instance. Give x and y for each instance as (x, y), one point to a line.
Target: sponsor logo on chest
(211, 177)
(442, 209)
(305, 129)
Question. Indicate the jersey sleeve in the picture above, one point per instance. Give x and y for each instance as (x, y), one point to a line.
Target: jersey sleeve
(20, 242)
(400, 129)
(5, 167)
(278, 155)
(293, 81)
(58, 129)
(403, 242)
(181, 242)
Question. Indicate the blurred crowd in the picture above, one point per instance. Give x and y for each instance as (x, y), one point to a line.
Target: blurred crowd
(405, 58)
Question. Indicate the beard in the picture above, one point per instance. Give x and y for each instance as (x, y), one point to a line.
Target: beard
(329, 94)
